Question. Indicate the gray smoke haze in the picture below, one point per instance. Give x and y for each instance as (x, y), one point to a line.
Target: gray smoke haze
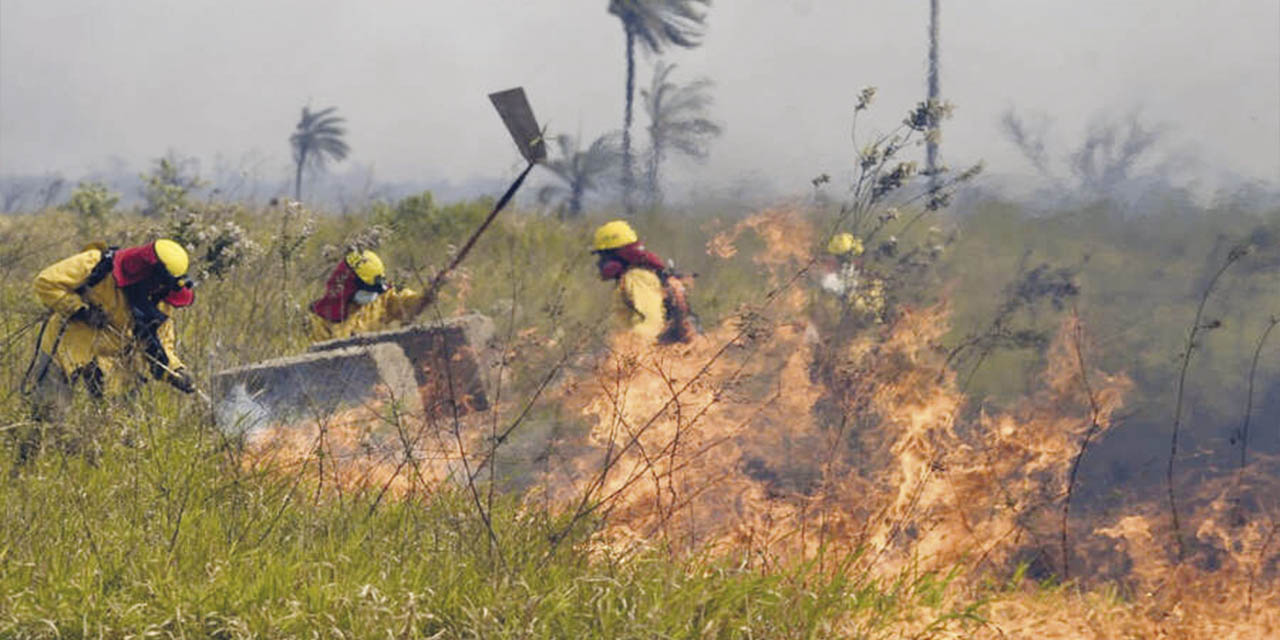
(83, 82)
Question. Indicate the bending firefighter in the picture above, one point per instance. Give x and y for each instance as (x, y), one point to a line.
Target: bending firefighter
(651, 299)
(358, 299)
(110, 322)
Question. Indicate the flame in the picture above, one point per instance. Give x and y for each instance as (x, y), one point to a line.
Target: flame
(363, 448)
(778, 439)
(787, 238)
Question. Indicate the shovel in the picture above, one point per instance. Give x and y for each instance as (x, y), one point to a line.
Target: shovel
(204, 397)
(518, 116)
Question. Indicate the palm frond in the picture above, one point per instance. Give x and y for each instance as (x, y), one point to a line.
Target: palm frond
(677, 114)
(678, 122)
(551, 192)
(658, 23)
(579, 171)
(316, 140)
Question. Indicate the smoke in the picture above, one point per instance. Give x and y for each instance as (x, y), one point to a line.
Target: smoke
(780, 437)
(777, 441)
(238, 414)
(1122, 158)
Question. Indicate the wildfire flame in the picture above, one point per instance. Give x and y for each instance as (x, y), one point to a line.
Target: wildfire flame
(772, 440)
(777, 440)
(364, 448)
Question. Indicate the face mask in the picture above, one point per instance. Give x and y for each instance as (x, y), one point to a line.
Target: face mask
(364, 297)
(609, 267)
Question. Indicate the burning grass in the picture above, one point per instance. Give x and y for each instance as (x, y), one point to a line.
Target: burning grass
(780, 443)
(792, 473)
(359, 449)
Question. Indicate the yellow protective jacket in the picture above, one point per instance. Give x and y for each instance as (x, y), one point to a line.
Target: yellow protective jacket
(82, 344)
(396, 305)
(640, 305)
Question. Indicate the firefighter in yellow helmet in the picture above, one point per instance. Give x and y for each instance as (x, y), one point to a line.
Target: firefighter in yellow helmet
(358, 299)
(651, 299)
(861, 296)
(841, 271)
(110, 322)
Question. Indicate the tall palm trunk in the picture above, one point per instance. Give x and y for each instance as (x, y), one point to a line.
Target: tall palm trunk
(297, 183)
(651, 175)
(931, 149)
(628, 175)
(297, 176)
(575, 200)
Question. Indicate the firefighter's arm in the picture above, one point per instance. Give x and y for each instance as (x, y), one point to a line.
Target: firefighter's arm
(404, 305)
(175, 373)
(55, 287)
(168, 339)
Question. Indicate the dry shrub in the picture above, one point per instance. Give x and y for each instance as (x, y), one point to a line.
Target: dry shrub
(739, 444)
(776, 441)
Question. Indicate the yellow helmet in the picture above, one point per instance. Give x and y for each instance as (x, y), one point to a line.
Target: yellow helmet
(173, 257)
(612, 235)
(844, 243)
(367, 265)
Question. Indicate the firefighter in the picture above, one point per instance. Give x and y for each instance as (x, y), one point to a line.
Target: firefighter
(861, 296)
(110, 323)
(840, 276)
(651, 299)
(358, 299)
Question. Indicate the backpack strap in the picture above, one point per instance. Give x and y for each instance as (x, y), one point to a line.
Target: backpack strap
(100, 270)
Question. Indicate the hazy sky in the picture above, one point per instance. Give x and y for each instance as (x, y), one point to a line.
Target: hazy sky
(84, 80)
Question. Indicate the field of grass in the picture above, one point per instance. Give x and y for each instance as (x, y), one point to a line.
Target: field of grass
(139, 518)
(159, 538)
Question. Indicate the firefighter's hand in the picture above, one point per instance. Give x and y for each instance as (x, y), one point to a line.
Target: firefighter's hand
(92, 315)
(181, 380)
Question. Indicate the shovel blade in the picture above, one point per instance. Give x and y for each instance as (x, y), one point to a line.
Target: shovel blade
(518, 116)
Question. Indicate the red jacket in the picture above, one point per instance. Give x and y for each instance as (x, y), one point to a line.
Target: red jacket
(619, 260)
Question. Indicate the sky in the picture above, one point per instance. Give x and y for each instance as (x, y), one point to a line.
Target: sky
(85, 81)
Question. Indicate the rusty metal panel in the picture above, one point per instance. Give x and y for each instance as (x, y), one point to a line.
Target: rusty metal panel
(516, 113)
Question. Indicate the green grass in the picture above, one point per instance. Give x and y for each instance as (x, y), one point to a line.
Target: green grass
(137, 520)
(140, 523)
(160, 534)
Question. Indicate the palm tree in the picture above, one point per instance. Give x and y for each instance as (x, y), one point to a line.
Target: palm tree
(654, 24)
(677, 122)
(316, 140)
(579, 171)
(931, 146)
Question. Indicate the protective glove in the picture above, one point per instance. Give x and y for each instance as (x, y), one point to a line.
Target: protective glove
(182, 381)
(92, 315)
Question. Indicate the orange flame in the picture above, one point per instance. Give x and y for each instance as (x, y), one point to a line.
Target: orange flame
(779, 440)
(365, 448)
(768, 439)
